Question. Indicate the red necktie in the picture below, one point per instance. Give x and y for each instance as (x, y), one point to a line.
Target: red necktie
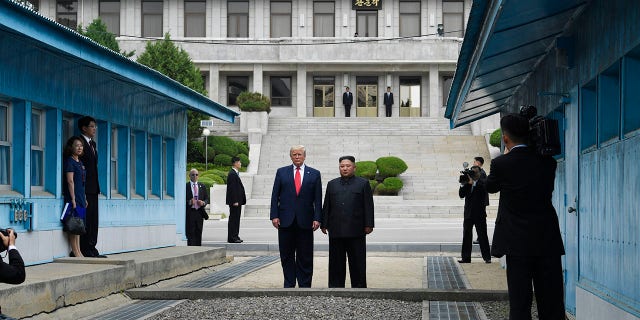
(297, 180)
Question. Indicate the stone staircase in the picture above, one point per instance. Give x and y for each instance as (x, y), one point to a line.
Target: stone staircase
(433, 153)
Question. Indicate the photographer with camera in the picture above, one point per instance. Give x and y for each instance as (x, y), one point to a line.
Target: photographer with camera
(527, 229)
(13, 272)
(472, 189)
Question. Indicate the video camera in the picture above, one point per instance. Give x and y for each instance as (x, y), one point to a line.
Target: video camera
(5, 232)
(544, 135)
(466, 174)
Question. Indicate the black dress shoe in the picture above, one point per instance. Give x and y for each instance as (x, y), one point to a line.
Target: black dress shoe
(71, 254)
(464, 261)
(476, 242)
(100, 256)
(235, 241)
(487, 261)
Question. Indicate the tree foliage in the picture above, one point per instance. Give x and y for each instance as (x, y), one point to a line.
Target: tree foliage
(97, 31)
(174, 62)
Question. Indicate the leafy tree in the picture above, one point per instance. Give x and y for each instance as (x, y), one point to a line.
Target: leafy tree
(97, 31)
(174, 62)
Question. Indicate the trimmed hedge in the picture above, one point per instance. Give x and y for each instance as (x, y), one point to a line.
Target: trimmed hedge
(373, 184)
(390, 166)
(195, 151)
(224, 145)
(390, 186)
(211, 180)
(495, 139)
(366, 169)
(243, 147)
(244, 159)
(253, 101)
(222, 159)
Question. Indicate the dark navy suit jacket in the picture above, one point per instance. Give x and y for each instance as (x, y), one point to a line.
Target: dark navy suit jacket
(305, 207)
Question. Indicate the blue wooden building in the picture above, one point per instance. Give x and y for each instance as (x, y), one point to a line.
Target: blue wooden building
(579, 62)
(49, 77)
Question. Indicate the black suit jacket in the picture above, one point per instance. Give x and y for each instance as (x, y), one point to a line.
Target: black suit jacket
(388, 98)
(235, 189)
(474, 200)
(347, 98)
(90, 161)
(203, 194)
(527, 224)
(13, 272)
(348, 207)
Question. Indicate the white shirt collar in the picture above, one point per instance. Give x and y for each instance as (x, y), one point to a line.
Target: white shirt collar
(86, 138)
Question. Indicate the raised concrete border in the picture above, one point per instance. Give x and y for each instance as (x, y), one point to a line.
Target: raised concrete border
(68, 281)
(395, 294)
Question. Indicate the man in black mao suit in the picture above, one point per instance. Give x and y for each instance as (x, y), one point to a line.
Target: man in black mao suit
(388, 101)
(89, 158)
(347, 213)
(527, 229)
(13, 272)
(296, 211)
(236, 198)
(475, 214)
(347, 101)
(197, 199)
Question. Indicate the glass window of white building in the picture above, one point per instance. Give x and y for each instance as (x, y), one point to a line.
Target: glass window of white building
(324, 19)
(67, 13)
(152, 18)
(194, 18)
(453, 18)
(409, 18)
(5, 146)
(110, 15)
(367, 23)
(281, 91)
(238, 19)
(37, 148)
(235, 86)
(280, 19)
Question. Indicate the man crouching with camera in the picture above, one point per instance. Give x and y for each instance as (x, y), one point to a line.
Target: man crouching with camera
(13, 272)
(473, 190)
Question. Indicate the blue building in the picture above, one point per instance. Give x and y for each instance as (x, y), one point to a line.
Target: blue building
(49, 77)
(579, 62)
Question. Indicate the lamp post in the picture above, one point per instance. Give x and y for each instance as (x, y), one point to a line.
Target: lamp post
(206, 132)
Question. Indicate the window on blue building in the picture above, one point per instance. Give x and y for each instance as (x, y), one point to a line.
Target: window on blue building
(114, 160)
(67, 128)
(609, 104)
(588, 116)
(630, 96)
(37, 149)
(168, 166)
(5, 147)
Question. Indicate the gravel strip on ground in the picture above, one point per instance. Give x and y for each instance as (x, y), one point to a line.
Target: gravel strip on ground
(499, 310)
(273, 308)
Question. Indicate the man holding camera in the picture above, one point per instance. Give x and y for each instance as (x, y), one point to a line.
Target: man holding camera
(472, 189)
(13, 272)
(527, 229)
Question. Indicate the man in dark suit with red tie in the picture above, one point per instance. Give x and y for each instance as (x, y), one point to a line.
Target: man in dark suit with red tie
(236, 198)
(347, 101)
(89, 158)
(527, 229)
(296, 211)
(197, 199)
(388, 101)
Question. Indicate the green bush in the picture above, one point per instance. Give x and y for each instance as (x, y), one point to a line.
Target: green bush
(223, 145)
(211, 180)
(366, 169)
(390, 166)
(242, 147)
(195, 151)
(195, 165)
(373, 184)
(243, 159)
(253, 101)
(390, 186)
(496, 138)
(222, 159)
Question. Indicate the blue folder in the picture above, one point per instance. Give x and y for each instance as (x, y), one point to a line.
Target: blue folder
(67, 210)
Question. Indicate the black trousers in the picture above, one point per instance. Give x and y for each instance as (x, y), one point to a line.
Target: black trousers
(296, 255)
(388, 110)
(89, 240)
(467, 238)
(193, 227)
(233, 226)
(356, 250)
(347, 111)
(542, 274)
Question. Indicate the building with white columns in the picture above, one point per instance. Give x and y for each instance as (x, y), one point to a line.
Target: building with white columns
(301, 53)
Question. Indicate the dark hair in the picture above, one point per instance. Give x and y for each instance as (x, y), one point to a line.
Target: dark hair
(235, 159)
(68, 147)
(516, 127)
(350, 158)
(85, 122)
(479, 159)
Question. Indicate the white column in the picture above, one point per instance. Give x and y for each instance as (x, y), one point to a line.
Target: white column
(434, 91)
(214, 82)
(301, 96)
(257, 78)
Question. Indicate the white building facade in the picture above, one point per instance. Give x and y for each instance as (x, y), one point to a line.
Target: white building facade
(302, 54)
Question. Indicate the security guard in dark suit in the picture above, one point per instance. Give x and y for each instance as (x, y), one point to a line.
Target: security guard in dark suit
(475, 214)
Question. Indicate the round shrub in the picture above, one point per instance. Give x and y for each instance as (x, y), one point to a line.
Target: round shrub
(242, 147)
(216, 172)
(390, 166)
(243, 159)
(390, 186)
(195, 165)
(373, 184)
(496, 138)
(366, 169)
(222, 159)
(223, 145)
(195, 151)
(253, 101)
(211, 180)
